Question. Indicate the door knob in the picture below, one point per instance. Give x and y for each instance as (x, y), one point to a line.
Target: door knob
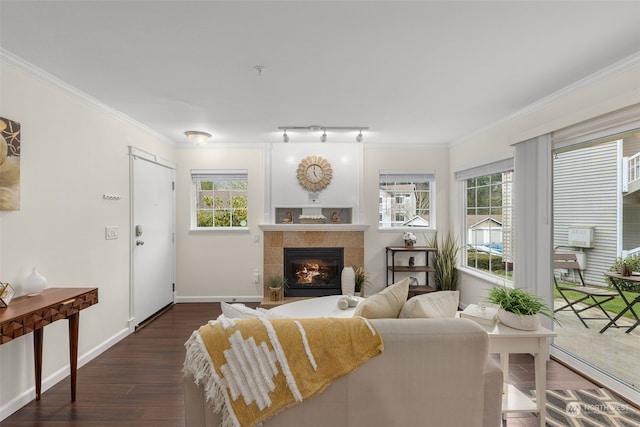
(139, 243)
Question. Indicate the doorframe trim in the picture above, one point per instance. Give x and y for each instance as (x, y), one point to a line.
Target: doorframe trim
(136, 153)
(153, 158)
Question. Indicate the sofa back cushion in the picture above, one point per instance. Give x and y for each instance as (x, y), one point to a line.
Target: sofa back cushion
(386, 303)
(438, 305)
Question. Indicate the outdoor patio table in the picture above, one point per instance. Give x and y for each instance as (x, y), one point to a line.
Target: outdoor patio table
(615, 279)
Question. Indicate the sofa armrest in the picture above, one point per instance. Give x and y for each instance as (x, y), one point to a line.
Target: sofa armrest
(493, 384)
(197, 411)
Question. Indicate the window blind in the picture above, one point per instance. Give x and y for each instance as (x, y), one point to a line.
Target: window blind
(199, 175)
(486, 169)
(407, 176)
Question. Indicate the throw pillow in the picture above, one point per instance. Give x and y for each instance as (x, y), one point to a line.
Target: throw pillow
(239, 311)
(434, 305)
(386, 303)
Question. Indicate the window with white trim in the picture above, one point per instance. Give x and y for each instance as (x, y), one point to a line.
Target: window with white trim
(407, 199)
(488, 217)
(220, 199)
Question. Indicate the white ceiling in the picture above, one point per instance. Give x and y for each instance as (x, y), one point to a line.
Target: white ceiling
(415, 72)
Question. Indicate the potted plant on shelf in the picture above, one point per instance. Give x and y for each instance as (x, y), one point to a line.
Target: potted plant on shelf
(409, 239)
(276, 285)
(625, 266)
(518, 308)
(445, 263)
(361, 279)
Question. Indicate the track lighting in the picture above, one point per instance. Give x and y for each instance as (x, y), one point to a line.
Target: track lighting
(324, 129)
(197, 137)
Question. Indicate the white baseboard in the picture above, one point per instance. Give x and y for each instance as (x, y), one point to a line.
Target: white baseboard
(257, 298)
(28, 395)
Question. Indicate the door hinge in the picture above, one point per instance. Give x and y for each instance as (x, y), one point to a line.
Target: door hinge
(173, 287)
(173, 185)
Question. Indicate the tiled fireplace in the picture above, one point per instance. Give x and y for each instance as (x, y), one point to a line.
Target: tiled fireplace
(275, 242)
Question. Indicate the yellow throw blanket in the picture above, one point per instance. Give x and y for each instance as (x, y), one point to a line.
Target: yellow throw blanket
(251, 369)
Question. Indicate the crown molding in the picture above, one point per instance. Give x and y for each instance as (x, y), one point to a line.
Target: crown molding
(38, 73)
(614, 69)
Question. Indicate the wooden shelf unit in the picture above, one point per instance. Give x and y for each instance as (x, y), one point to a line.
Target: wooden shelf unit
(392, 268)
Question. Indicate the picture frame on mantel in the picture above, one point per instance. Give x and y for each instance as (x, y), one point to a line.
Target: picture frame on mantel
(9, 165)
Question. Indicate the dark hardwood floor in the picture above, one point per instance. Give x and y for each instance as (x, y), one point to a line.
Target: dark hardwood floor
(137, 382)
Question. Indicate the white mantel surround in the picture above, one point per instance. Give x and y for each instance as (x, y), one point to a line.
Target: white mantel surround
(284, 190)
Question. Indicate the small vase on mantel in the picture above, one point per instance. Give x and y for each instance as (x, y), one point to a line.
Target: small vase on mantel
(348, 281)
(34, 283)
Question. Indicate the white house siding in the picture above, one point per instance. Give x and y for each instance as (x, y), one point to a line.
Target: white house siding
(631, 225)
(585, 190)
(631, 215)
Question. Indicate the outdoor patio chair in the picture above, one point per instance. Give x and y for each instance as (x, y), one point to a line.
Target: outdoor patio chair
(591, 296)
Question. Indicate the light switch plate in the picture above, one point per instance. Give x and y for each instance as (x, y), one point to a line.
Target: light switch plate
(111, 232)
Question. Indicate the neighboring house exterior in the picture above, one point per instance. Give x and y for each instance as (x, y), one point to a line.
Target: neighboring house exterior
(589, 185)
(631, 198)
(397, 205)
(485, 232)
(416, 221)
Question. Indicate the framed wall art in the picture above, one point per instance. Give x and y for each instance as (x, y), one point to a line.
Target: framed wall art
(6, 294)
(9, 165)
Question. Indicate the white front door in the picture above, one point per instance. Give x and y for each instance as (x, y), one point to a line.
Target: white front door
(152, 235)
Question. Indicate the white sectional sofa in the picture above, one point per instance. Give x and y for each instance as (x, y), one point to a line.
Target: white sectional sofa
(433, 372)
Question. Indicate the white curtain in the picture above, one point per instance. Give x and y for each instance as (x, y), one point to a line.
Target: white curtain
(533, 217)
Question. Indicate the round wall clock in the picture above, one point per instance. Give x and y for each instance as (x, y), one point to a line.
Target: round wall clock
(314, 173)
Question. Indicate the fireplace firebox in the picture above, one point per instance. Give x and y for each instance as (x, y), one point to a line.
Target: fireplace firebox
(312, 272)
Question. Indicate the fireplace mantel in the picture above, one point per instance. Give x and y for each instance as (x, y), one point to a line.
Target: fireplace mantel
(313, 227)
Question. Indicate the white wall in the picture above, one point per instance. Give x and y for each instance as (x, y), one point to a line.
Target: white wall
(409, 158)
(71, 153)
(214, 265)
(219, 265)
(585, 100)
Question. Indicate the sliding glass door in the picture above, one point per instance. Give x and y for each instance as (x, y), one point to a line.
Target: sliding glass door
(596, 217)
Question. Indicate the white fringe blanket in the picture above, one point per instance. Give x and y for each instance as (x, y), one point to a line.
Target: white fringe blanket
(251, 369)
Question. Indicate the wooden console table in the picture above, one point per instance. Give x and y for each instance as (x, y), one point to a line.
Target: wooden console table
(32, 314)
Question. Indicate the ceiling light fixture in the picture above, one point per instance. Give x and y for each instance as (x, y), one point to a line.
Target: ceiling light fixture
(197, 137)
(324, 129)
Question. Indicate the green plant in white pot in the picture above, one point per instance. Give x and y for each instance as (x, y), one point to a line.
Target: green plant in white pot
(518, 308)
